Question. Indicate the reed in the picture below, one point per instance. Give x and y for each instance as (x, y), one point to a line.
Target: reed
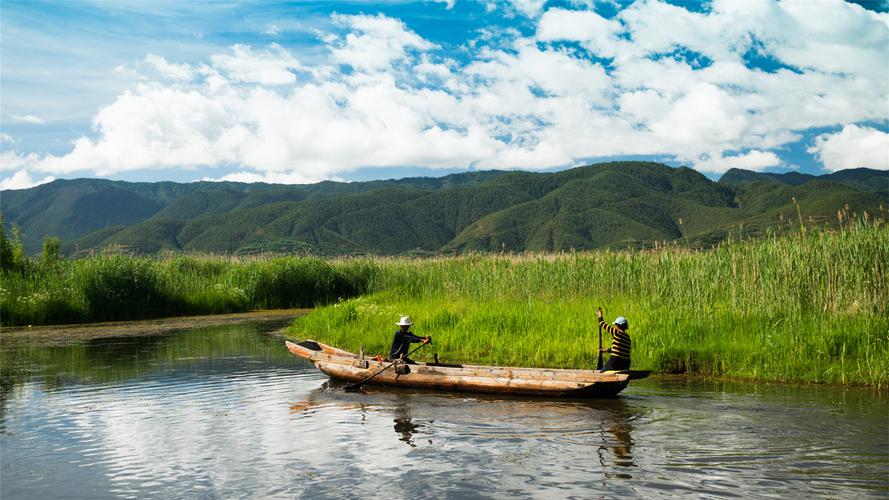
(810, 306)
(120, 287)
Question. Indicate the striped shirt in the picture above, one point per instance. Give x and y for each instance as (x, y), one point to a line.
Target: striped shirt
(620, 343)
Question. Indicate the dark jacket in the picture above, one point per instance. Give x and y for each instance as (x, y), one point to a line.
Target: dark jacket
(401, 343)
(620, 348)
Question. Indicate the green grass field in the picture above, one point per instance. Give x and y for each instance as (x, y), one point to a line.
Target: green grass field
(810, 307)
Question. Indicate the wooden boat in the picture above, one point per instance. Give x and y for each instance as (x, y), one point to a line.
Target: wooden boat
(347, 366)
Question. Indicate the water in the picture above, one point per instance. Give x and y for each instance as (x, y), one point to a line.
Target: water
(227, 412)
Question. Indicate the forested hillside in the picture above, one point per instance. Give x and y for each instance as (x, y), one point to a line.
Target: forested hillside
(604, 205)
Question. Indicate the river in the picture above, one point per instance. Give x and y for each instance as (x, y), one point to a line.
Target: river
(227, 411)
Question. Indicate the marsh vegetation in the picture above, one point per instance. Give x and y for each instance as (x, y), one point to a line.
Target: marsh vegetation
(809, 305)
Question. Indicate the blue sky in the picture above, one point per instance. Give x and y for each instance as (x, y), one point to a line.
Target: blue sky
(305, 91)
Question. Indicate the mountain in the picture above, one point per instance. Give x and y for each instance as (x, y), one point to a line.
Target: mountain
(862, 179)
(73, 209)
(604, 205)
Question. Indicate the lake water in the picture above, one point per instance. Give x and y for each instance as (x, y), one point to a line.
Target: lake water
(227, 412)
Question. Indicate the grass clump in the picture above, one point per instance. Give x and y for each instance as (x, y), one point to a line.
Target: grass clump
(118, 287)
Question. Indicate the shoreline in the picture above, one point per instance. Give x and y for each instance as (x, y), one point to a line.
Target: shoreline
(11, 336)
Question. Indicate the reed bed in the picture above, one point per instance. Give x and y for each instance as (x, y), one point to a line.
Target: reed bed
(805, 307)
(120, 287)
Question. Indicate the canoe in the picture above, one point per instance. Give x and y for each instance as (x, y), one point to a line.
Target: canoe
(344, 365)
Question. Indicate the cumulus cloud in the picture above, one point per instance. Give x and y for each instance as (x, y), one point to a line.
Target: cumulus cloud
(852, 147)
(12, 161)
(375, 42)
(528, 8)
(581, 86)
(752, 160)
(270, 67)
(169, 70)
(31, 119)
(599, 35)
(270, 178)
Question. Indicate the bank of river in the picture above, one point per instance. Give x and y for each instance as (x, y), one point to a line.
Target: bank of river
(225, 410)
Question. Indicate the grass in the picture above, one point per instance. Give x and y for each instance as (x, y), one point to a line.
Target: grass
(106, 288)
(810, 306)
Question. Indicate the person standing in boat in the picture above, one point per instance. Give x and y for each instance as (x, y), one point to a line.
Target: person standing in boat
(620, 343)
(403, 339)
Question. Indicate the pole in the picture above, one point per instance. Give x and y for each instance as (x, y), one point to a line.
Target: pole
(359, 384)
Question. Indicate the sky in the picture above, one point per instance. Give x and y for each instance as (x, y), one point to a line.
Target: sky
(297, 92)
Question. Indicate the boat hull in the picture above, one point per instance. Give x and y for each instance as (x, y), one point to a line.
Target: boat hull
(346, 366)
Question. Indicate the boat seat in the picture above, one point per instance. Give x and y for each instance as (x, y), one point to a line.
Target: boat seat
(310, 344)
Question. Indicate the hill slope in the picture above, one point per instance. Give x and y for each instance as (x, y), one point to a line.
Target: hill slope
(609, 204)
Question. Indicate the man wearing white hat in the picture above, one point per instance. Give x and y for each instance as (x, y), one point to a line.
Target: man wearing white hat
(403, 339)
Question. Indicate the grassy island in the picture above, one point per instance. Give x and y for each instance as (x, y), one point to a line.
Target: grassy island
(811, 306)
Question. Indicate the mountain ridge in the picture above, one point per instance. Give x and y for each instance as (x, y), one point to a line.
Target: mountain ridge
(603, 205)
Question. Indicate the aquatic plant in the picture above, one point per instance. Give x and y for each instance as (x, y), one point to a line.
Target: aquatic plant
(120, 287)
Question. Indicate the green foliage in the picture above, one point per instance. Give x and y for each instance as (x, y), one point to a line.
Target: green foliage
(803, 307)
(119, 287)
(51, 251)
(12, 253)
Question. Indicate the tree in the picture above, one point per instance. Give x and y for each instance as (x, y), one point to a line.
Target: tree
(12, 253)
(51, 250)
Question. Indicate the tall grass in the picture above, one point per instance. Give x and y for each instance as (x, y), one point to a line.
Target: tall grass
(805, 307)
(122, 287)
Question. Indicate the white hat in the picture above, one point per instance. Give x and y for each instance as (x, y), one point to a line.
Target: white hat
(405, 321)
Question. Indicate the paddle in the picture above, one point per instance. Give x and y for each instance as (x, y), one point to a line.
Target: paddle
(599, 363)
(359, 384)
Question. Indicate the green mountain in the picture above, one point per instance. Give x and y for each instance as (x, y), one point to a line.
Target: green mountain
(605, 205)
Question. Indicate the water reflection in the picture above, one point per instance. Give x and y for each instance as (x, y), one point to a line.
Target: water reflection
(405, 425)
(431, 419)
(620, 446)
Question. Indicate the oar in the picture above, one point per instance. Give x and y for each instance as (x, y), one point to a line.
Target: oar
(359, 384)
(599, 363)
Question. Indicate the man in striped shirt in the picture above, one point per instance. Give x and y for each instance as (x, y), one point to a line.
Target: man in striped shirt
(620, 343)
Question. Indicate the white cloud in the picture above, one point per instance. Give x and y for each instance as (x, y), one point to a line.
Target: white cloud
(853, 147)
(22, 180)
(169, 70)
(272, 30)
(375, 42)
(753, 160)
(267, 67)
(528, 8)
(151, 127)
(31, 119)
(598, 34)
(11, 161)
(675, 84)
(6, 138)
(269, 178)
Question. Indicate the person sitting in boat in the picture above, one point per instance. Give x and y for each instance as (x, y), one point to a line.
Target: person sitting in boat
(620, 343)
(403, 339)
